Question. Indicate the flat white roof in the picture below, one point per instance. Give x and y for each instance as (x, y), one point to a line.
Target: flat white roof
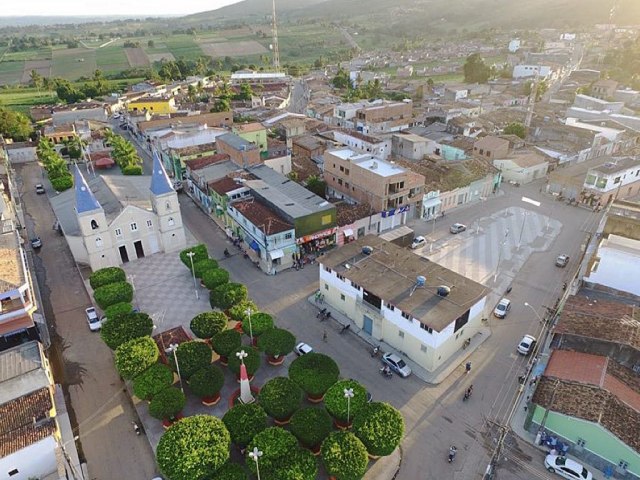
(379, 167)
(241, 76)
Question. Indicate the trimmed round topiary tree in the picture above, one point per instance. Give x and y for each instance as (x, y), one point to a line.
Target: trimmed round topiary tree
(206, 383)
(105, 276)
(226, 342)
(215, 277)
(251, 362)
(166, 404)
(152, 381)
(195, 447)
(238, 312)
(314, 373)
(227, 295)
(336, 402)
(344, 456)
(245, 421)
(121, 328)
(311, 426)
(275, 444)
(113, 293)
(277, 343)
(231, 471)
(117, 309)
(204, 266)
(135, 356)
(380, 427)
(208, 324)
(192, 356)
(300, 464)
(280, 397)
(200, 253)
(260, 323)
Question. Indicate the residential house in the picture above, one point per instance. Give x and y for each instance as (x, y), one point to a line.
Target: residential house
(522, 166)
(242, 152)
(310, 146)
(604, 89)
(528, 71)
(362, 143)
(616, 178)
(252, 132)
(455, 94)
(363, 178)
(154, 105)
(21, 152)
(409, 146)
(567, 180)
(385, 117)
(491, 147)
(514, 45)
(222, 191)
(412, 304)
(614, 264)
(277, 157)
(178, 155)
(208, 120)
(595, 103)
(258, 78)
(203, 170)
(60, 134)
(79, 112)
(404, 71)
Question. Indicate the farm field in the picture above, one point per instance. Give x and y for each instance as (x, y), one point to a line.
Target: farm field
(183, 46)
(73, 63)
(111, 59)
(136, 57)
(233, 49)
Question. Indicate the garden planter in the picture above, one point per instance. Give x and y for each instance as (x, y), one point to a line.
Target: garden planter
(373, 457)
(315, 398)
(342, 425)
(210, 401)
(279, 360)
(315, 450)
(283, 421)
(167, 422)
(235, 396)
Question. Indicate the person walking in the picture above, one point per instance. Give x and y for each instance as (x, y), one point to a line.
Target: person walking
(467, 367)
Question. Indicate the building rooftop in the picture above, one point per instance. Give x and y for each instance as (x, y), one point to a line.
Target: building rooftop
(195, 149)
(21, 372)
(12, 274)
(236, 142)
(447, 175)
(160, 181)
(616, 164)
(225, 185)
(491, 143)
(411, 137)
(267, 220)
(527, 159)
(248, 127)
(308, 142)
(369, 162)
(201, 162)
(390, 272)
(209, 119)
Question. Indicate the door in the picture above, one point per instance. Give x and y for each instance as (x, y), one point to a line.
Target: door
(139, 249)
(367, 326)
(124, 256)
(153, 244)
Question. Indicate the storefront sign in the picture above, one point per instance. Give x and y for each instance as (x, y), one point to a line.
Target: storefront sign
(394, 211)
(316, 236)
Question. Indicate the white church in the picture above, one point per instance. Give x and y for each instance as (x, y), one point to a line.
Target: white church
(115, 219)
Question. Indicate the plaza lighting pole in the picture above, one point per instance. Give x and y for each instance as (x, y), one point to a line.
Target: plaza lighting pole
(173, 348)
(193, 272)
(255, 454)
(348, 394)
(248, 312)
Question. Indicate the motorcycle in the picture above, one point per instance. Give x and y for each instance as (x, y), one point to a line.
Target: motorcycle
(375, 351)
(467, 394)
(136, 428)
(321, 313)
(345, 328)
(226, 253)
(386, 372)
(452, 453)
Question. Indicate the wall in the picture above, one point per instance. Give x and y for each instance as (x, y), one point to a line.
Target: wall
(281, 165)
(36, 461)
(617, 266)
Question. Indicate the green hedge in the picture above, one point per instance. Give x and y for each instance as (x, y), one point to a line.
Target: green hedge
(105, 276)
(300, 464)
(121, 328)
(215, 277)
(113, 293)
(336, 402)
(275, 443)
(231, 471)
(60, 184)
(132, 170)
(280, 397)
(226, 342)
(344, 456)
(208, 324)
(239, 311)
(118, 309)
(380, 427)
(244, 422)
(167, 403)
(193, 448)
(135, 356)
(314, 373)
(277, 342)
(192, 356)
(227, 295)
(204, 266)
(207, 382)
(200, 254)
(311, 426)
(252, 361)
(152, 381)
(260, 323)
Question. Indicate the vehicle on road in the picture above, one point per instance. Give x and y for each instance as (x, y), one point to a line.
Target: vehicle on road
(562, 260)
(566, 468)
(302, 349)
(502, 308)
(457, 228)
(92, 319)
(526, 345)
(36, 242)
(40, 189)
(418, 242)
(396, 364)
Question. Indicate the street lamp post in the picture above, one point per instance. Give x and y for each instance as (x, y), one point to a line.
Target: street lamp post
(348, 394)
(534, 311)
(248, 312)
(255, 454)
(433, 232)
(506, 234)
(524, 220)
(173, 348)
(195, 285)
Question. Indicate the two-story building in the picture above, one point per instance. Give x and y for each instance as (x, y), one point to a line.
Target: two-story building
(154, 105)
(604, 89)
(491, 147)
(200, 172)
(253, 132)
(376, 146)
(617, 178)
(241, 152)
(523, 166)
(410, 146)
(394, 296)
(222, 191)
(384, 118)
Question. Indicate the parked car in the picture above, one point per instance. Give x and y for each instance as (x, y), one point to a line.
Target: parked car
(457, 228)
(302, 349)
(40, 189)
(36, 242)
(396, 364)
(418, 242)
(92, 319)
(502, 308)
(526, 345)
(562, 260)
(566, 468)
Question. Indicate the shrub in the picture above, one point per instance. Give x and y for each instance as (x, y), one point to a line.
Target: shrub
(280, 397)
(227, 295)
(311, 426)
(336, 403)
(208, 324)
(260, 323)
(62, 183)
(121, 328)
(277, 342)
(135, 356)
(105, 276)
(239, 311)
(275, 443)
(153, 380)
(299, 464)
(195, 447)
(314, 373)
(231, 471)
(117, 309)
(113, 293)
(192, 356)
(132, 170)
(244, 422)
(344, 456)
(226, 342)
(379, 427)
(215, 277)
(207, 382)
(200, 254)
(252, 361)
(203, 266)
(166, 403)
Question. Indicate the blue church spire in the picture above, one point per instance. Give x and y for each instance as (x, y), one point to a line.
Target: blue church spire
(160, 182)
(85, 201)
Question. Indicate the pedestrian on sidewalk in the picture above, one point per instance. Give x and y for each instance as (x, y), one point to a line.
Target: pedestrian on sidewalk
(467, 367)
(324, 336)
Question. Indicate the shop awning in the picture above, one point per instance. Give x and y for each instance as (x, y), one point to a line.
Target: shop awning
(276, 254)
(348, 232)
(16, 325)
(254, 245)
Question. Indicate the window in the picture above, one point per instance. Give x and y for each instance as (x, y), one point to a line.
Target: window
(342, 297)
(149, 224)
(623, 465)
(406, 315)
(616, 180)
(346, 171)
(288, 236)
(339, 181)
(133, 226)
(341, 168)
(168, 206)
(171, 221)
(391, 307)
(426, 328)
(94, 225)
(118, 232)
(326, 219)
(400, 333)
(423, 348)
(327, 269)
(355, 285)
(581, 442)
(98, 242)
(340, 276)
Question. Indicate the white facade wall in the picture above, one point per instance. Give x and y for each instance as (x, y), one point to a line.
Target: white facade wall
(379, 149)
(36, 461)
(525, 71)
(617, 265)
(281, 165)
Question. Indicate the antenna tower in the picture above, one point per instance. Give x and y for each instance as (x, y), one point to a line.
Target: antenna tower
(274, 28)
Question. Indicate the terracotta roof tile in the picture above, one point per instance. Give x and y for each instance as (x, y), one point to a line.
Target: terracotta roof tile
(11, 273)
(262, 217)
(24, 436)
(199, 163)
(577, 367)
(224, 185)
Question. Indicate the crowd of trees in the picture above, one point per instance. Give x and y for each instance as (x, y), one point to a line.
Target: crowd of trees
(124, 154)
(55, 166)
(475, 70)
(15, 125)
(623, 63)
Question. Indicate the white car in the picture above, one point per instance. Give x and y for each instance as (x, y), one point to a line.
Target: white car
(396, 364)
(302, 349)
(562, 260)
(418, 242)
(525, 347)
(92, 319)
(566, 468)
(502, 308)
(457, 228)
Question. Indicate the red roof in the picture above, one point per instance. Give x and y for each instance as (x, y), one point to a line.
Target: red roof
(262, 217)
(201, 162)
(224, 185)
(104, 162)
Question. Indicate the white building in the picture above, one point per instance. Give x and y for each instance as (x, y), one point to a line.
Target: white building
(616, 264)
(394, 296)
(522, 167)
(514, 45)
(529, 71)
(617, 178)
(362, 143)
(111, 220)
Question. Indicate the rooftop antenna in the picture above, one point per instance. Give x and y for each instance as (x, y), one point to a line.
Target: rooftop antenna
(420, 281)
(274, 30)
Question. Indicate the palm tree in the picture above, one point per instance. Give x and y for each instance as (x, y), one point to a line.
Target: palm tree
(36, 79)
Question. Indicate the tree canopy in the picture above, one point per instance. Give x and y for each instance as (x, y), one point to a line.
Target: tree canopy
(15, 125)
(475, 70)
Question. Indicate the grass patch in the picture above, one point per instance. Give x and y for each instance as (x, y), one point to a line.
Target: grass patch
(37, 54)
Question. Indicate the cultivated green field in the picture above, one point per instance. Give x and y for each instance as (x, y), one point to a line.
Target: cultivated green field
(183, 46)
(73, 63)
(111, 59)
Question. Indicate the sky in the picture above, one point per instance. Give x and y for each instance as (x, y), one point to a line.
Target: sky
(145, 8)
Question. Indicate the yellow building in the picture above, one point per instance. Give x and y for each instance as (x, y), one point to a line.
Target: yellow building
(157, 105)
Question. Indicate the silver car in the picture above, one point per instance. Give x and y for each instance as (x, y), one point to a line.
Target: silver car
(457, 228)
(396, 364)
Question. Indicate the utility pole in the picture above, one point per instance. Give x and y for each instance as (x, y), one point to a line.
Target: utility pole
(274, 29)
